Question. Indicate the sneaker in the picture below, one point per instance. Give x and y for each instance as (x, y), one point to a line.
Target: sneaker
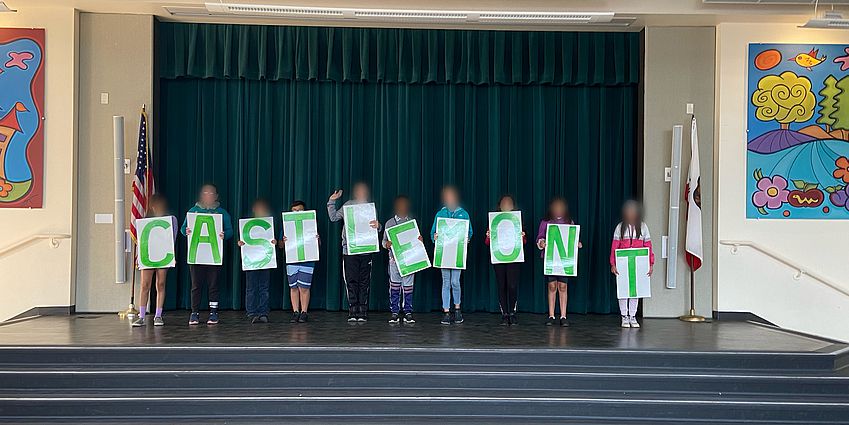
(549, 321)
(633, 322)
(408, 319)
(394, 319)
(504, 320)
(213, 318)
(194, 319)
(138, 322)
(625, 322)
(458, 317)
(512, 319)
(263, 319)
(303, 317)
(352, 318)
(295, 316)
(564, 323)
(363, 318)
(254, 320)
(157, 321)
(446, 318)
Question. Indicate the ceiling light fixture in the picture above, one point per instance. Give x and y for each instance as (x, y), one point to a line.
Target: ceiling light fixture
(418, 15)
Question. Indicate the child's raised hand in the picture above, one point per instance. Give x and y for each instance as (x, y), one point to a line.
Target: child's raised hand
(541, 244)
(336, 194)
(614, 271)
(240, 243)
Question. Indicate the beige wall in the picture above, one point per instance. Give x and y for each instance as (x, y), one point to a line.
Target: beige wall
(37, 275)
(116, 57)
(750, 281)
(679, 69)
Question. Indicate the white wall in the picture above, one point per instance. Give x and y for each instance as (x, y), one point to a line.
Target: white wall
(749, 281)
(37, 275)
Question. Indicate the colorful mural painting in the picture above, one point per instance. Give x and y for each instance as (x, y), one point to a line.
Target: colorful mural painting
(21, 117)
(798, 131)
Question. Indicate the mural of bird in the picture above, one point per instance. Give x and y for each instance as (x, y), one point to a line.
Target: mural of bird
(808, 60)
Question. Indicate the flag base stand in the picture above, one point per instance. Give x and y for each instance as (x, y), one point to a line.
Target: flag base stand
(129, 313)
(692, 317)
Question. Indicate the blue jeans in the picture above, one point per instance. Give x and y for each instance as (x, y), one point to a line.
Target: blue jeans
(256, 292)
(450, 286)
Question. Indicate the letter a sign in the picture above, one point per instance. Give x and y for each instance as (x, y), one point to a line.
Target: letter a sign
(633, 279)
(204, 245)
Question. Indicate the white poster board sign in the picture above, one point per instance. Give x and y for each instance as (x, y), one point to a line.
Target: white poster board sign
(361, 237)
(452, 238)
(561, 250)
(408, 251)
(301, 231)
(258, 252)
(506, 244)
(156, 242)
(633, 266)
(205, 247)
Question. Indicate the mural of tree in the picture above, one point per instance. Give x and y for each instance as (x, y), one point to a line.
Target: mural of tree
(841, 113)
(828, 104)
(785, 98)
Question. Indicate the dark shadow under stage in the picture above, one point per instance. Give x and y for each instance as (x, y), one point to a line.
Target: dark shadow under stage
(480, 330)
(92, 368)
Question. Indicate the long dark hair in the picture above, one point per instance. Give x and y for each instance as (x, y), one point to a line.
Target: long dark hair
(567, 217)
(638, 226)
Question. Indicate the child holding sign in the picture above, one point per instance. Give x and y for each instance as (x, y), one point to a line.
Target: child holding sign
(507, 274)
(356, 265)
(157, 207)
(202, 273)
(632, 232)
(558, 213)
(257, 281)
(450, 277)
(299, 276)
(397, 283)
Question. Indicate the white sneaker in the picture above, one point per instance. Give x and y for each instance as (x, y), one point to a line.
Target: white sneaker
(625, 322)
(633, 322)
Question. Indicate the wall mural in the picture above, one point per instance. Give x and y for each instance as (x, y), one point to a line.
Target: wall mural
(21, 117)
(798, 131)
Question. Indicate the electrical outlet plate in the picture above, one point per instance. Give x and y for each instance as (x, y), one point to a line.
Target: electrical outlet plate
(667, 174)
(126, 166)
(690, 108)
(104, 98)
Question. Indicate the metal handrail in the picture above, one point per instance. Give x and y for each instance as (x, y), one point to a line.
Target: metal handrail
(800, 271)
(53, 238)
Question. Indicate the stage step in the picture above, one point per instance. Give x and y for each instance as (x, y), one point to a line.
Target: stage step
(278, 384)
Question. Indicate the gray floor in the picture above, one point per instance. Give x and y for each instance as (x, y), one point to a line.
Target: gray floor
(481, 330)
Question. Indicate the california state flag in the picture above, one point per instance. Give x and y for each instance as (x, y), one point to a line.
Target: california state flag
(694, 204)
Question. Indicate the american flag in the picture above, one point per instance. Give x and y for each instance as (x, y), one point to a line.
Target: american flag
(143, 185)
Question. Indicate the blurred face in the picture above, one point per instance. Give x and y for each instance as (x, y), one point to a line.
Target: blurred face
(558, 209)
(506, 204)
(630, 213)
(402, 207)
(297, 208)
(159, 207)
(261, 209)
(361, 192)
(208, 195)
(450, 198)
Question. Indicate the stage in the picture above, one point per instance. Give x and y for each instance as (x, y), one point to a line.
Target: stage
(96, 368)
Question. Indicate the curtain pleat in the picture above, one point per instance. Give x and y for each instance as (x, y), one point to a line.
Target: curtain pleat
(412, 56)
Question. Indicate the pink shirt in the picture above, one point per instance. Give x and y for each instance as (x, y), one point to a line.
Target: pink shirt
(630, 240)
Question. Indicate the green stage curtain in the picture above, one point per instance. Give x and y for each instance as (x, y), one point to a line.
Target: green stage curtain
(288, 138)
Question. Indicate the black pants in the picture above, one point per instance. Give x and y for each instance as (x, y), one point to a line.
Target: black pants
(507, 279)
(356, 270)
(204, 274)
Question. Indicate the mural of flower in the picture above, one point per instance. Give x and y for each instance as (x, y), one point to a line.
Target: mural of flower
(5, 188)
(772, 193)
(842, 170)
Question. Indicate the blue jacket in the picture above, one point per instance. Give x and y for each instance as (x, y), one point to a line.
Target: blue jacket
(225, 219)
(459, 214)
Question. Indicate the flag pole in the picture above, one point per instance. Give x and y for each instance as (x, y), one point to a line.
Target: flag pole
(692, 316)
